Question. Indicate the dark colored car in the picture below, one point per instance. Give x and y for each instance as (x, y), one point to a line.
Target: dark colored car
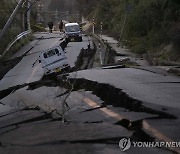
(73, 32)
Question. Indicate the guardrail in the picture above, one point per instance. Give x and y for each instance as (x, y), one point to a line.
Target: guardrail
(18, 37)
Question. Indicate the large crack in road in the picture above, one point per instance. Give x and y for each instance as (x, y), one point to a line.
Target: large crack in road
(116, 97)
(109, 94)
(83, 61)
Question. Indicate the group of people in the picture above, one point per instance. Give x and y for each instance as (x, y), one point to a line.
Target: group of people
(51, 24)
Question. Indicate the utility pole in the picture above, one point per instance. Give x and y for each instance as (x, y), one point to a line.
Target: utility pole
(67, 16)
(93, 26)
(39, 11)
(29, 15)
(10, 20)
(101, 30)
(121, 34)
(26, 15)
(56, 15)
(128, 9)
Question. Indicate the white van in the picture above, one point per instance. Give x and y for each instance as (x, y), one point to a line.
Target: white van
(53, 60)
(73, 32)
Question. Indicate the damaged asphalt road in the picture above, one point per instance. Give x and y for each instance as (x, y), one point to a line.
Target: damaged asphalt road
(86, 112)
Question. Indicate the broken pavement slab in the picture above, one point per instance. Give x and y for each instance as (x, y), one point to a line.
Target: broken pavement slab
(139, 84)
(42, 97)
(77, 148)
(97, 110)
(20, 117)
(139, 91)
(57, 132)
(4, 108)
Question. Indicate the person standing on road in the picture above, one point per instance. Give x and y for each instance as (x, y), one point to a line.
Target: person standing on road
(61, 25)
(50, 24)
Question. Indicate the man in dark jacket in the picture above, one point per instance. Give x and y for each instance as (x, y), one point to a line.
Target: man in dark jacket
(50, 24)
(61, 26)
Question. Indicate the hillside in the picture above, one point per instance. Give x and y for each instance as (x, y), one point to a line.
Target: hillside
(152, 26)
(6, 8)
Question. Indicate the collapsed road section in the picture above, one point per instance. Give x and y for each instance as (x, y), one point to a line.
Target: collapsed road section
(81, 115)
(82, 59)
(98, 108)
(117, 98)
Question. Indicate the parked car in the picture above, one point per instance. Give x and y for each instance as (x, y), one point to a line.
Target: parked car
(73, 32)
(53, 60)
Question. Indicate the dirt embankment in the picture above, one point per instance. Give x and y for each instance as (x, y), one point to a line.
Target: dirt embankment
(166, 55)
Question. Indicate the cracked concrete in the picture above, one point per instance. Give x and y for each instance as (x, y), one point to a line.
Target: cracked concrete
(98, 115)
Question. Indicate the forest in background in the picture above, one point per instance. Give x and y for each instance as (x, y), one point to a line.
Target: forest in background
(152, 26)
(63, 5)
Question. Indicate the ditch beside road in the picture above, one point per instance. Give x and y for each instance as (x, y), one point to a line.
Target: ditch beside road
(122, 55)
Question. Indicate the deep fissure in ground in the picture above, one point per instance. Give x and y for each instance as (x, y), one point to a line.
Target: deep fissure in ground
(116, 97)
(109, 94)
